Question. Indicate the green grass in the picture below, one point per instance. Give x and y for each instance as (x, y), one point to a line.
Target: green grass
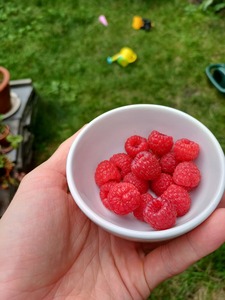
(202, 281)
(63, 48)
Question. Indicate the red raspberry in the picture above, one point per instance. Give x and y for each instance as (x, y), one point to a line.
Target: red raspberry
(187, 174)
(161, 183)
(104, 191)
(124, 198)
(179, 197)
(138, 212)
(160, 143)
(186, 150)
(123, 162)
(168, 162)
(106, 171)
(160, 214)
(141, 184)
(146, 166)
(136, 144)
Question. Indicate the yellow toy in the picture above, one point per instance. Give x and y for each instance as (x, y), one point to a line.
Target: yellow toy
(124, 57)
(137, 23)
(140, 23)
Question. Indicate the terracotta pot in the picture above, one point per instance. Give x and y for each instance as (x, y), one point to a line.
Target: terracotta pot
(5, 102)
(3, 141)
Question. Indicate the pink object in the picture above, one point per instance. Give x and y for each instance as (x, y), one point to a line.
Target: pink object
(102, 19)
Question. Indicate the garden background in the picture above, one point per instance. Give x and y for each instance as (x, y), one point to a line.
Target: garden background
(63, 47)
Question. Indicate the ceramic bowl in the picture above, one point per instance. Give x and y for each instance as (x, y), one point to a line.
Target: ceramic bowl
(105, 136)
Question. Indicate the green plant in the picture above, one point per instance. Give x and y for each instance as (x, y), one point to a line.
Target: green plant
(6, 166)
(216, 5)
(14, 140)
(2, 125)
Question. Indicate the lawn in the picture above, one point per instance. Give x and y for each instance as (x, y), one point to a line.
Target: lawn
(63, 48)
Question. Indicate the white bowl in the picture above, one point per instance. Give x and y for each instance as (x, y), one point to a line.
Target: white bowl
(105, 136)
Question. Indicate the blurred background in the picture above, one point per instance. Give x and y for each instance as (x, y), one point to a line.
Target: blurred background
(63, 48)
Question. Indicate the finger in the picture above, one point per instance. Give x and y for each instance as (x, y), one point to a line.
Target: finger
(222, 202)
(176, 256)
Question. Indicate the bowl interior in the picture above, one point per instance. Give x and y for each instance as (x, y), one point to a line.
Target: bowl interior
(106, 135)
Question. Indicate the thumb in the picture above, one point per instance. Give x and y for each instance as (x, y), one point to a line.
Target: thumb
(177, 255)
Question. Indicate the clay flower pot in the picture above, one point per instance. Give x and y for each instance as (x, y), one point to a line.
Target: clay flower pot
(4, 144)
(5, 101)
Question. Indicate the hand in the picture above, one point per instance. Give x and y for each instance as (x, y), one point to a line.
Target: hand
(50, 250)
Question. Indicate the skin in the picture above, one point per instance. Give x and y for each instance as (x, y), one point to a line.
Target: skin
(50, 250)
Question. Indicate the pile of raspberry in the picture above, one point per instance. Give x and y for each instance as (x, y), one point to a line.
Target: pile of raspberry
(151, 179)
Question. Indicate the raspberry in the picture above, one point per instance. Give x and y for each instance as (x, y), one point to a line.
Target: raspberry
(179, 197)
(168, 162)
(136, 144)
(138, 212)
(161, 183)
(104, 191)
(106, 171)
(141, 184)
(160, 143)
(156, 162)
(123, 198)
(146, 166)
(160, 214)
(123, 162)
(186, 150)
(187, 174)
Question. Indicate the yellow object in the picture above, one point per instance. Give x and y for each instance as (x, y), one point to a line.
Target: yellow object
(127, 56)
(124, 57)
(137, 22)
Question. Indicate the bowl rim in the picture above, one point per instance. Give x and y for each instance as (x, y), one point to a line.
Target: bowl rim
(138, 234)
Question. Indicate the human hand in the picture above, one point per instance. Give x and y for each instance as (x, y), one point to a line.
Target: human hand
(50, 250)
(222, 202)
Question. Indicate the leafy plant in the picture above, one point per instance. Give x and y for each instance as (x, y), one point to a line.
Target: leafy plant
(2, 161)
(2, 125)
(6, 166)
(14, 140)
(216, 5)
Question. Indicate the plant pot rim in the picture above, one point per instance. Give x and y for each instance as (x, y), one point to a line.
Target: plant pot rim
(5, 150)
(5, 132)
(6, 78)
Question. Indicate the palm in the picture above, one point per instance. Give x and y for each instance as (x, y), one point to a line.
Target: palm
(66, 250)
